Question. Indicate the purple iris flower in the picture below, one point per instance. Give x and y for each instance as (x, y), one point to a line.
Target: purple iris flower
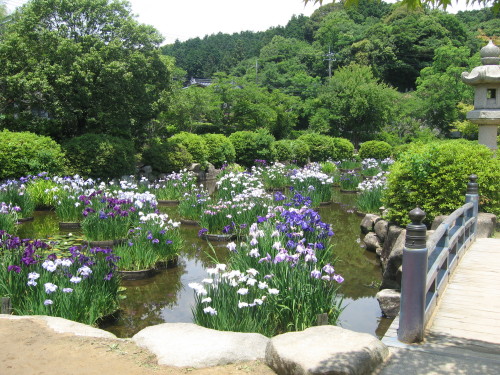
(14, 268)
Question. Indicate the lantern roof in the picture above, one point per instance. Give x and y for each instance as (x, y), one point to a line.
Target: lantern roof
(489, 72)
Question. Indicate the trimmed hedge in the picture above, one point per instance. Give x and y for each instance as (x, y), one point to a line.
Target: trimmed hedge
(25, 153)
(293, 151)
(194, 143)
(100, 156)
(282, 150)
(251, 146)
(167, 157)
(344, 149)
(220, 150)
(321, 147)
(375, 149)
(434, 177)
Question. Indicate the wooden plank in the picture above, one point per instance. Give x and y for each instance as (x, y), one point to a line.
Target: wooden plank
(473, 323)
(471, 296)
(469, 308)
(461, 326)
(452, 309)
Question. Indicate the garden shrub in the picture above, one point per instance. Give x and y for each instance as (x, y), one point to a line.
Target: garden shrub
(375, 149)
(301, 152)
(167, 157)
(194, 143)
(321, 147)
(399, 150)
(101, 155)
(294, 151)
(282, 150)
(434, 177)
(220, 150)
(391, 138)
(251, 146)
(344, 149)
(25, 153)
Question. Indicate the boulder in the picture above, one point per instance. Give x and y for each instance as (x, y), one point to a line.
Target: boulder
(393, 233)
(195, 168)
(381, 226)
(389, 300)
(394, 261)
(368, 223)
(372, 243)
(486, 224)
(325, 350)
(187, 344)
(211, 173)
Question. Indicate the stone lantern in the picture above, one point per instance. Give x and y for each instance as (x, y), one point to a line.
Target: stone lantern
(486, 82)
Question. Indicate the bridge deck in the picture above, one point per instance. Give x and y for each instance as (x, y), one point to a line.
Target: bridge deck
(466, 325)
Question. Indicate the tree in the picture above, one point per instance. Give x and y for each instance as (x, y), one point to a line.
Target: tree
(412, 4)
(357, 104)
(441, 88)
(80, 66)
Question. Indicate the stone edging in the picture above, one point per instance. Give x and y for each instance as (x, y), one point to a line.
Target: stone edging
(331, 348)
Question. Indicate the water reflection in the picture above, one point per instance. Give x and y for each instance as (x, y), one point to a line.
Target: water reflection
(167, 298)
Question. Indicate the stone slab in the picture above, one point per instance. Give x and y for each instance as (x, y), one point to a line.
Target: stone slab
(325, 350)
(187, 344)
(61, 325)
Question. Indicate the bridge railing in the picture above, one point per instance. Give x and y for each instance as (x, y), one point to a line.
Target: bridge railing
(427, 264)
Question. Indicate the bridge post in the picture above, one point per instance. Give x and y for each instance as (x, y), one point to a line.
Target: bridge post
(413, 283)
(472, 195)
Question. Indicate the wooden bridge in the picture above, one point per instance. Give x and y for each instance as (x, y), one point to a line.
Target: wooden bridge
(456, 328)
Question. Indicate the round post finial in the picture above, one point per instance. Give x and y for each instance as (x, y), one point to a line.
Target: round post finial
(472, 185)
(416, 231)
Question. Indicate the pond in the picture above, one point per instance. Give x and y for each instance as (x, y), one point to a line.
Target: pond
(167, 298)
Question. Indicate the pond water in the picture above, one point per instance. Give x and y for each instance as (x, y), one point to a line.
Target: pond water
(167, 298)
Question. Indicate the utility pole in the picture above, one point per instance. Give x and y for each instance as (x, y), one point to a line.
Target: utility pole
(256, 71)
(330, 57)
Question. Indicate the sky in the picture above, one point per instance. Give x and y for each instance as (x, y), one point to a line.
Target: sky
(184, 19)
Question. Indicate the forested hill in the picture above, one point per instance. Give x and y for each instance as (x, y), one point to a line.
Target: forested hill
(395, 42)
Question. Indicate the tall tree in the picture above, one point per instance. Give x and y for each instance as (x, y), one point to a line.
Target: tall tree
(440, 86)
(354, 104)
(412, 4)
(78, 66)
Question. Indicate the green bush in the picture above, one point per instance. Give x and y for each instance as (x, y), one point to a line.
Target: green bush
(26, 153)
(220, 150)
(391, 138)
(100, 155)
(282, 150)
(194, 143)
(434, 177)
(301, 152)
(293, 151)
(167, 157)
(401, 149)
(344, 149)
(251, 146)
(321, 147)
(375, 149)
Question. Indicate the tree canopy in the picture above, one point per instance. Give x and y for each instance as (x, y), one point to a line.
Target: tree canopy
(413, 4)
(80, 66)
